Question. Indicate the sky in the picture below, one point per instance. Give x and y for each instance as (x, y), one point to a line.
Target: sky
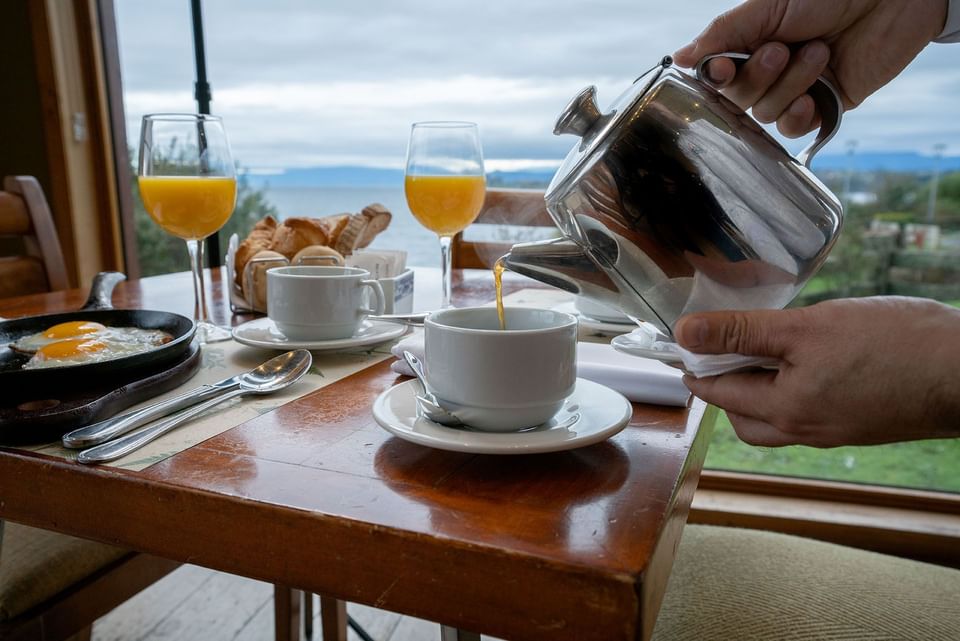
(332, 82)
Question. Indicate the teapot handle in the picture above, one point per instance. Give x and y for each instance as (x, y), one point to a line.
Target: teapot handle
(824, 94)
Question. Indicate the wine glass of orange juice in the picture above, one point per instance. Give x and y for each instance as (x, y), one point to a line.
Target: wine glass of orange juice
(188, 184)
(444, 183)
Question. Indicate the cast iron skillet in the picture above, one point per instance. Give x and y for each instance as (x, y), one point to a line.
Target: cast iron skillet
(17, 382)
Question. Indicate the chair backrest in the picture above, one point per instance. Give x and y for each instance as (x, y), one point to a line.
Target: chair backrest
(31, 260)
(523, 207)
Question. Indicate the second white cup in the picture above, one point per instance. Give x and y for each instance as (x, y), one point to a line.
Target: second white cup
(501, 380)
(314, 303)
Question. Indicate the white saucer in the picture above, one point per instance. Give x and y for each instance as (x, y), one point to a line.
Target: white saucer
(593, 413)
(605, 327)
(646, 342)
(263, 333)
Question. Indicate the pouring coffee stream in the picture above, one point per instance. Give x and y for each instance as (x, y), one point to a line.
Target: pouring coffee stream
(676, 201)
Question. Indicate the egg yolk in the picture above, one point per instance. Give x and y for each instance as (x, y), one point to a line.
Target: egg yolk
(70, 348)
(74, 328)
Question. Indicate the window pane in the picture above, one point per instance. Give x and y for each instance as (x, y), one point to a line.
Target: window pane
(318, 99)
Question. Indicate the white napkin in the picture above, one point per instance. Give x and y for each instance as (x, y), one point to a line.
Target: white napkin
(639, 379)
(647, 338)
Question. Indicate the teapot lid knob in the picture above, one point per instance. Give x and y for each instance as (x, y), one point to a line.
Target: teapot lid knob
(579, 117)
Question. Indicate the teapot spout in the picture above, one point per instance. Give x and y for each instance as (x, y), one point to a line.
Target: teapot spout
(563, 264)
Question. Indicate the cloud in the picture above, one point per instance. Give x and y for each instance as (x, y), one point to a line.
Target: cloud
(301, 83)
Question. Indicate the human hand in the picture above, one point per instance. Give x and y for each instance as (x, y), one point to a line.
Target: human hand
(853, 372)
(861, 45)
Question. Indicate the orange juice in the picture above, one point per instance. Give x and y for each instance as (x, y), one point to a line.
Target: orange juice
(445, 204)
(189, 207)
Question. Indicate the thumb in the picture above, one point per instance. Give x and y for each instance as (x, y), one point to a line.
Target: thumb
(753, 333)
(739, 29)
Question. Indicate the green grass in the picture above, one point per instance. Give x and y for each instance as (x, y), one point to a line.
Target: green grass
(933, 465)
(816, 285)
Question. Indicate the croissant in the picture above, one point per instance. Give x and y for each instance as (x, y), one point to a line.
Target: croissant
(296, 233)
(258, 240)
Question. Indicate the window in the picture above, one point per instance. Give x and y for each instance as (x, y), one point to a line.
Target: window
(318, 99)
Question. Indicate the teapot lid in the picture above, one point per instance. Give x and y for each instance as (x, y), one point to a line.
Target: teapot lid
(582, 117)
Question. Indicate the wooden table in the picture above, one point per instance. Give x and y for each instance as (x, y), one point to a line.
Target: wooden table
(567, 546)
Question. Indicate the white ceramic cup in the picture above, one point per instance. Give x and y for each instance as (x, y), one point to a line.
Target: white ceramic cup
(501, 380)
(314, 303)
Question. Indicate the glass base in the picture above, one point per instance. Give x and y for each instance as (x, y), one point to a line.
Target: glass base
(209, 333)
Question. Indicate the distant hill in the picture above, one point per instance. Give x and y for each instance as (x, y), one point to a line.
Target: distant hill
(331, 177)
(354, 176)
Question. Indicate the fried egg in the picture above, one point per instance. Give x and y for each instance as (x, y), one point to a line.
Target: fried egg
(81, 342)
(74, 329)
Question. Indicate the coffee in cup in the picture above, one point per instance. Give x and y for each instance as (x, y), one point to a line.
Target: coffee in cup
(501, 380)
(316, 303)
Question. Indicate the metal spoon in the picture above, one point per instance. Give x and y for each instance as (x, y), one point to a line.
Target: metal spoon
(274, 375)
(414, 320)
(427, 402)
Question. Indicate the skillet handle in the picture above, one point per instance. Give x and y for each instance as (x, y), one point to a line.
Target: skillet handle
(101, 291)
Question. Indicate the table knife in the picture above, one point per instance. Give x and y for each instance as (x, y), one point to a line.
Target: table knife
(113, 427)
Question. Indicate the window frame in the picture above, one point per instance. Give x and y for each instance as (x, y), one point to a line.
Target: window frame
(906, 522)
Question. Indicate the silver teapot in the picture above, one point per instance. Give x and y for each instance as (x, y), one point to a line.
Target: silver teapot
(676, 201)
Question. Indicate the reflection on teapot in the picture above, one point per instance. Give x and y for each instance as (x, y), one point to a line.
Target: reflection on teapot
(676, 201)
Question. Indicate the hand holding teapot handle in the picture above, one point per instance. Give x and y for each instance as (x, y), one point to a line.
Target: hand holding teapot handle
(824, 94)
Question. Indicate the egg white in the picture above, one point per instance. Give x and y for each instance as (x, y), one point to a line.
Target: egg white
(111, 343)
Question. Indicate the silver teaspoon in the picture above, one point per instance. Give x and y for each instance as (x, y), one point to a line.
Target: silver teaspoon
(427, 402)
(272, 376)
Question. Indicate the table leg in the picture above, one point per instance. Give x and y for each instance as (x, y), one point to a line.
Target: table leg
(333, 619)
(286, 613)
(449, 633)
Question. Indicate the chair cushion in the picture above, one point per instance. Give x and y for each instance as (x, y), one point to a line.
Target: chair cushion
(35, 565)
(744, 585)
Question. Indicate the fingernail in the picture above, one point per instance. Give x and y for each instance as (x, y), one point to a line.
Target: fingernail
(816, 53)
(773, 57)
(692, 332)
(798, 107)
(712, 77)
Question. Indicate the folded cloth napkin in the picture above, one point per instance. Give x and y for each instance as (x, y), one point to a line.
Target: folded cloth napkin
(639, 379)
(647, 338)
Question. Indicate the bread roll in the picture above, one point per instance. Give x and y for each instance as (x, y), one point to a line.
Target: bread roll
(254, 284)
(258, 240)
(303, 256)
(378, 218)
(294, 234)
(349, 237)
(362, 229)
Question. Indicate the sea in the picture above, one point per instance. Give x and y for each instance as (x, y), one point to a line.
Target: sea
(404, 233)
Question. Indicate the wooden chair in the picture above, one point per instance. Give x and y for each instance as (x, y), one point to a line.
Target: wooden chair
(53, 587)
(523, 207)
(31, 260)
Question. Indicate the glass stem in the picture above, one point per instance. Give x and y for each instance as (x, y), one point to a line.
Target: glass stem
(195, 249)
(446, 267)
